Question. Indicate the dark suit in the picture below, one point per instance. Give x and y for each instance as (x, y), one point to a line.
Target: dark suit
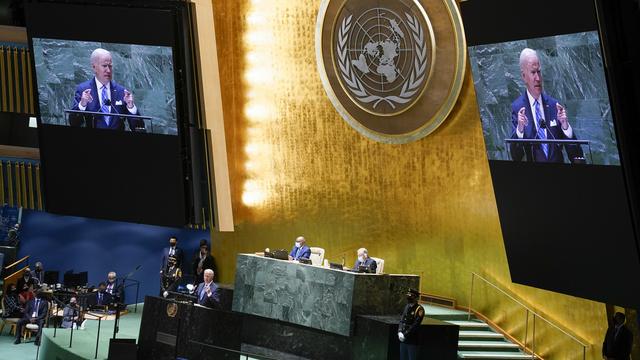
(368, 262)
(102, 299)
(208, 263)
(303, 252)
(39, 319)
(554, 131)
(617, 344)
(38, 276)
(118, 106)
(212, 301)
(21, 283)
(116, 290)
(179, 255)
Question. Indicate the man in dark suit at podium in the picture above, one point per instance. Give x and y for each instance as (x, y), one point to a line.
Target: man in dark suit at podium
(536, 115)
(207, 291)
(35, 313)
(102, 94)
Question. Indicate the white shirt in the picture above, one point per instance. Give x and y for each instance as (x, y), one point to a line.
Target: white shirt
(99, 85)
(536, 122)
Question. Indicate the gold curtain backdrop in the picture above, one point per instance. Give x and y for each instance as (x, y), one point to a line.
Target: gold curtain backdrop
(297, 168)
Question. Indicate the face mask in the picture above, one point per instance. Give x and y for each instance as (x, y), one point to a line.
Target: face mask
(361, 259)
(298, 244)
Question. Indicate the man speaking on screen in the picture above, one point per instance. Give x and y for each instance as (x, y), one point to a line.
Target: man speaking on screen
(102, 94)
(536, 115)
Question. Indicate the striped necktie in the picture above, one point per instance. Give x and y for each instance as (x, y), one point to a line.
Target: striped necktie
(541, 133)
(105, 107)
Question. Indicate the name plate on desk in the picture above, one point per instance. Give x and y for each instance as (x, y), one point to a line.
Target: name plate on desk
(316, 297)
(165, 338)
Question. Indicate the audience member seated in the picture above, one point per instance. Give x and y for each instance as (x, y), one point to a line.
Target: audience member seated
(300, 249)
(26, 280)
(71, 315)
(38, 274)
(12, 306)
(27, 294)
(364, 260)
(170, 277)
(13, 236)
(202, 260)
(115, 289)
(207, 291)
(102, 298)
(35, 313)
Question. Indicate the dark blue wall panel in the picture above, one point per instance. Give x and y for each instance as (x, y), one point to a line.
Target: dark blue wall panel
(98, 246)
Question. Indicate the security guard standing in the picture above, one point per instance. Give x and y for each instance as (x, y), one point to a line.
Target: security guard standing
(409, 324)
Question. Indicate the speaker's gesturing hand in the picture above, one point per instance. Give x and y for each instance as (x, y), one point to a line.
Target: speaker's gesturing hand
(86, 98)
(522, 119)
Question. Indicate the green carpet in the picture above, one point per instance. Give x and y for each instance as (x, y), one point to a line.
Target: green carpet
(84, 341)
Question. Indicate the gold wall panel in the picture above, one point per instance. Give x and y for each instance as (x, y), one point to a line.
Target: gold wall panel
(297, 168)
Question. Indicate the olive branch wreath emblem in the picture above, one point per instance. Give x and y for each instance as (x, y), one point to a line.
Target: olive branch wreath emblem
(409, 88)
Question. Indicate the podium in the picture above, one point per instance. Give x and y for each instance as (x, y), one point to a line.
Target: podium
(533, 142)
(89, 117)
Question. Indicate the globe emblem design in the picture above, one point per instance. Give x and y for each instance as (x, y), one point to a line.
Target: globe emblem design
(382, 59)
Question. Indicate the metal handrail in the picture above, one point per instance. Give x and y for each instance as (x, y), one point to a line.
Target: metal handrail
(529, 310)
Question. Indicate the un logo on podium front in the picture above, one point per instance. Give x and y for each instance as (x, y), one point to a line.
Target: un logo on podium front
(381, 66)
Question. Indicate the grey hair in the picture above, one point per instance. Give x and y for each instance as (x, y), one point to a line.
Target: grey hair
(363, 251)
(111, 273)
(208, 271)
(525, 55)
(97, 53)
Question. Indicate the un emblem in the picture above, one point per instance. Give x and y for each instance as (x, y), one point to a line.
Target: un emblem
(381, 66)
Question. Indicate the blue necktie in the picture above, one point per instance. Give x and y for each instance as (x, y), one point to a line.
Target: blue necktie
(105, 108)
(541, 133)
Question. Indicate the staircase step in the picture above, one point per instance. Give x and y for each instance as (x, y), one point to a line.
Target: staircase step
(470, 324)
(442, 313)
(492, 355)
(492, 345)
(480, 335)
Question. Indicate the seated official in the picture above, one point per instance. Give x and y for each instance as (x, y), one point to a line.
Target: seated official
(12, 306)
(27, 294)
(38, 274)
(202, 260)
(207, 291)
(102, 298)
(35, 313)
(26, 280)
(115, 289)
(366, 261)
(170, 277)
(300, 249)
(72, 316)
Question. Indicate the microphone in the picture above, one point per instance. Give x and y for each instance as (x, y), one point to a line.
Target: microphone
(543, 125)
